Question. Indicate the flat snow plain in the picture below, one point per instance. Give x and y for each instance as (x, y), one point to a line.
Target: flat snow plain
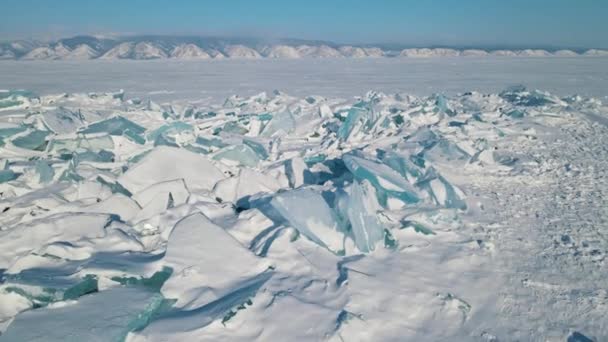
(168, 80)
(351, 215)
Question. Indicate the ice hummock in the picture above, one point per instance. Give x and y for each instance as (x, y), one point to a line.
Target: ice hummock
(307, 211)
(227, 216)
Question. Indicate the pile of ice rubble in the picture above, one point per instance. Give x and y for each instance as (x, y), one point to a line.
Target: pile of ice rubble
(126, 219)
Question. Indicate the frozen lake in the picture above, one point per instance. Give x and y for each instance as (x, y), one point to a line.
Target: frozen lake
(192, 80)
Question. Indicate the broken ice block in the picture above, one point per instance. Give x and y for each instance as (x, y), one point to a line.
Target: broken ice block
(307, 211)
(117, 125)
(34, 140)
(45, 171)
(259, 149)
(93, 144)
(362, 212)
(167, 163)
(7, 130)
(403, 165)
(170, 129)
(208, 263)
(296, 169)
(8, 175)
(105, 316)
(282, 121)
(62, 120)
(442, 105)
(441, 191)
(248, 182)
(516, 114)
(353, 116)
(242, 154)
(386, 181)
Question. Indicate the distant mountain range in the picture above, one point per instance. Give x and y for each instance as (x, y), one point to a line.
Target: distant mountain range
(207, 48)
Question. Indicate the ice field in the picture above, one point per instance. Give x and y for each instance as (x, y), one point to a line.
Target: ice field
(360, 200)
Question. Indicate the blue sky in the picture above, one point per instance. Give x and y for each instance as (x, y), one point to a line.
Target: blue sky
(571, 23)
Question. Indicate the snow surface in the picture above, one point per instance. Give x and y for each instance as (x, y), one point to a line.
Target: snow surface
(215, 80)
(277, 217)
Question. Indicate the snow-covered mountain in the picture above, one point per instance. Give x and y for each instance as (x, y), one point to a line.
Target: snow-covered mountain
(82, 52)
(189, 51)
(322, 51)
(204, 48)
(596, 52)
(360, 52)
(280, 51)
(241, 52)
(6, 54)
(533, 53)
(59, 51)
(425, 52)
(130, 50)
(216, 54)
(565, 53)
(503, 53)
(474, 53)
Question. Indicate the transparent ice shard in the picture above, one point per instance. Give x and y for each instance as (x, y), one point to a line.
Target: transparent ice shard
(154, 282)
(296, 171)
(386, 181)
(516, 113)
(8, 175)
(10, 102)
(362, 211)
(307, 211)
(231, 127)
(259, 149)
(163, 140)
(34, 140)
(10, 130)
(403, 165)
(62, 120)
(93, 144)
(441, 191)
(102, 156)
(16, 93)
(442, 105)
(242, 154)
(115, 187)
(446, 151)
(353, 117)
(170, 130)
(282, 121)
(45, 171)
(117, 125)
(210, 142)
(519, 96)
(134, 137)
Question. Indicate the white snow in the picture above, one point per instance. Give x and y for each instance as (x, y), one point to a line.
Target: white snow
(241, 51)
(189, 51)
(330, 213)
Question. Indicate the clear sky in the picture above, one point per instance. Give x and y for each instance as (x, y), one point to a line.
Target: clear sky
(571, 23)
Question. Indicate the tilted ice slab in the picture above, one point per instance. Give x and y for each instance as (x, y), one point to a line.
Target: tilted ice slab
(106, 316)
(166, 163)
(207, 263)
(308, 212)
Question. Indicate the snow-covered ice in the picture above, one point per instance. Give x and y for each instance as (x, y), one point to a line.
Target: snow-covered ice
(271, 216)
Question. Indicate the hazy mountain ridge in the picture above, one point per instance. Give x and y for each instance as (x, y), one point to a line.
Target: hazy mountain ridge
(194, 47)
